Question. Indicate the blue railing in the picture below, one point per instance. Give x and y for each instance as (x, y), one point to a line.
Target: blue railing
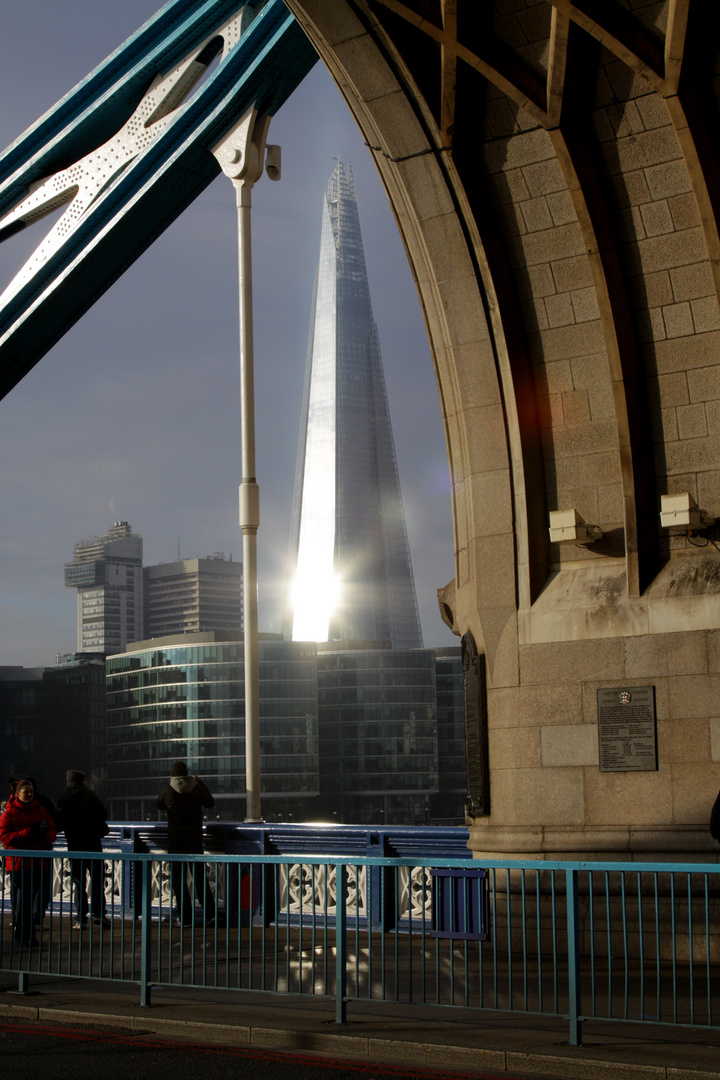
(625, 942)
(264, 838)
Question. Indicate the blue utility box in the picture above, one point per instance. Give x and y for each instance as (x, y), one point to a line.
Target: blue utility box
(460, 907)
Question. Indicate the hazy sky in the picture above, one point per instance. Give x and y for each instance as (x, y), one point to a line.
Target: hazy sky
(134, 414)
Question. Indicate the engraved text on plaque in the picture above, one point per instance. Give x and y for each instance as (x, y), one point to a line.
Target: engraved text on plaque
(626, 729)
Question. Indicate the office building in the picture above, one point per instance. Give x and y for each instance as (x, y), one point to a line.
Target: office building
(53, 719)
(349, 699)
(193, 595)
(347, 735)
(378, 734)
(21, 695)
(352, 587)
(351, 576)
(183, 698)
(107, 573)
(75, 720)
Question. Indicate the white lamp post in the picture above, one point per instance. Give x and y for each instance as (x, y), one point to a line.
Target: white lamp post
(241, 156)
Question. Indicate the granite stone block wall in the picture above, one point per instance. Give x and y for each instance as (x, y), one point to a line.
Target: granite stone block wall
(555, 175)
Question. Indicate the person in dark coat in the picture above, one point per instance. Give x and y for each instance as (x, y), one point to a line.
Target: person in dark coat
(183, 801)
(84, 820)
(24, 823)
(45, 801)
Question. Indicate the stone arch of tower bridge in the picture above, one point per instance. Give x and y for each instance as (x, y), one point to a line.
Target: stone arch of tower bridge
(553, 167)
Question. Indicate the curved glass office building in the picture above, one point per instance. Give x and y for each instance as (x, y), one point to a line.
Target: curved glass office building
(182, 699)
(348, 733)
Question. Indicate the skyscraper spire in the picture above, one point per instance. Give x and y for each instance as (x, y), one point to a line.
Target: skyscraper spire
(351, 571)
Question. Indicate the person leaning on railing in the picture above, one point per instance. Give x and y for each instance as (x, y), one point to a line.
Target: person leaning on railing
(183, 800)
(24, 823)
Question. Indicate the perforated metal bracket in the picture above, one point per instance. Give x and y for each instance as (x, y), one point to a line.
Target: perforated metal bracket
(129, 185)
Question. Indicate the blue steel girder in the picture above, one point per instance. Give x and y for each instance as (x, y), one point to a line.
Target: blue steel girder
(102, 239)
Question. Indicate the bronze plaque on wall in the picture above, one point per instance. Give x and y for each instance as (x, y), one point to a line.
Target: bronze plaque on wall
(627, 735)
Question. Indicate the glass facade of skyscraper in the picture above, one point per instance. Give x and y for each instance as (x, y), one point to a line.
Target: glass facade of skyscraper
(176, 700)
(352, 575)
(378, 734)
(358, 735)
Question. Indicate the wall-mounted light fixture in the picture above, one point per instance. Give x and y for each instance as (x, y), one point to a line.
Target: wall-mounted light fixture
(682, 512)
(567, 526)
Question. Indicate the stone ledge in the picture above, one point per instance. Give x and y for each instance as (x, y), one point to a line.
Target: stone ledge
(689, 843)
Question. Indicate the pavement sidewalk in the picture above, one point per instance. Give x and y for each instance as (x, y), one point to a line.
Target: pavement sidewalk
(375, 1032)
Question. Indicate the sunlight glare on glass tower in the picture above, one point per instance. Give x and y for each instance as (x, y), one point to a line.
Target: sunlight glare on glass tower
(352, 575)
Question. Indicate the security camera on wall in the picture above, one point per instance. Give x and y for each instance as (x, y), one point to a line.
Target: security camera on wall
(567, 526)
(682, 512)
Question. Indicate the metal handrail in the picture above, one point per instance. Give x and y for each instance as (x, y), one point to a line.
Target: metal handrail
(629, 942)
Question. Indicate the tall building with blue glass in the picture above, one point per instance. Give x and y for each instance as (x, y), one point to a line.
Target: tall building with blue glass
(355, 734)
(358, 722)
(182, 697)
(378, 734)
(351, 575)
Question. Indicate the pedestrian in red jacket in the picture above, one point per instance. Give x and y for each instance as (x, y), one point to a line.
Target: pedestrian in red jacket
(25, 824)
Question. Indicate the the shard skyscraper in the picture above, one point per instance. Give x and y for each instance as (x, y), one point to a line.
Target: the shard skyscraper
(350, 563)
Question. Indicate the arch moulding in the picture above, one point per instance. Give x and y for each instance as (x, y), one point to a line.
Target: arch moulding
(556, 180)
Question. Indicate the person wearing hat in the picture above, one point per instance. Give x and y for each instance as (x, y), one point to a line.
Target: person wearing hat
(84, 821)
(183, 801)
